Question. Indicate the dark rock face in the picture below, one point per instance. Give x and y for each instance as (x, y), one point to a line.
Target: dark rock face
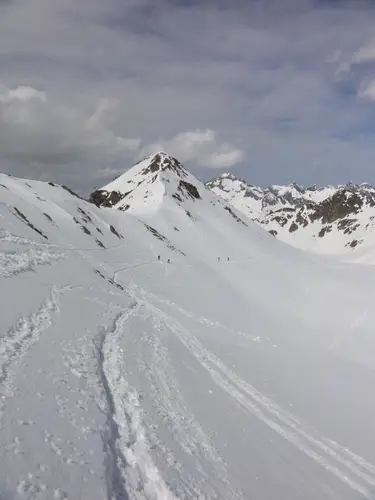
(26, 221)
(324, 231)
(163, 238)
(338, 206)
(162, 162)
(99, 243)
(235, 217)
(301, 220)
(189, 190)
(102, 198)
(85, 230)
(72, 192)
(177, 197)
(115, 232)
(348, 225)
(354, 243)
(280, 219)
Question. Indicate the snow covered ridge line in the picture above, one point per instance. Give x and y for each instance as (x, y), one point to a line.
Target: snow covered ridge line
(334, 219)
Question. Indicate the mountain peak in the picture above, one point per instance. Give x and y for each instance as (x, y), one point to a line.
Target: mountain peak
(159, 162)
(226, 179)
(147, 183)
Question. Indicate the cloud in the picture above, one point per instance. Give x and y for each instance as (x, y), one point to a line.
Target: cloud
(365, 54)
(38, 130)
(367, 90)
(199, 146)
(88, 85)
(21, 93)
(42, 133)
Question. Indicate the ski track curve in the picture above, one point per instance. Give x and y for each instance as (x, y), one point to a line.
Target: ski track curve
(130, 470)
(285, 424)
(187, 433)
(201, 320)
(346, 466)
(16, 342)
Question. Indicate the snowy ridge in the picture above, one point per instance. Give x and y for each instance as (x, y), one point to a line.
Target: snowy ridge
(334, 220)
(221, 374)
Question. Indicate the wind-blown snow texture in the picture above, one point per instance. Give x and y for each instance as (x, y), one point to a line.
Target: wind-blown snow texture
(125, 377)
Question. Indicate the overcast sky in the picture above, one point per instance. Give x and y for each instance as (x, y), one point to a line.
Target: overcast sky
(272, 90)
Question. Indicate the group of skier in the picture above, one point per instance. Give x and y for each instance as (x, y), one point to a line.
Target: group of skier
(169, 260)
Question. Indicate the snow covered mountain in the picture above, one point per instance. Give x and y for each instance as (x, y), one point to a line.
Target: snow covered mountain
(157, 181)
(334, 220)
(126, 377)
(145, 185)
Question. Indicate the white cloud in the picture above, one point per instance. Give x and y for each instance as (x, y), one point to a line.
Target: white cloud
(367, 90)
(89, 84)
(44, 131)
(199, 146)
(365, 54)
(21, 93)
(226, 156)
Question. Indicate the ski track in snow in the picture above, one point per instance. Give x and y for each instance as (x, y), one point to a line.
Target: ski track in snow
(17, 341)
(348, 467)
(130, 470)
(13, 262)
(284, 423)
(174, 413)
(202, 320)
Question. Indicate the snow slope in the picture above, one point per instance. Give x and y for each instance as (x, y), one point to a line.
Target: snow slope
(125, 377)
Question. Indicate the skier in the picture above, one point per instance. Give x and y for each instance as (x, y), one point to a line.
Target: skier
(158, 257)
(169, 261)
(218, 259)
(228, 259)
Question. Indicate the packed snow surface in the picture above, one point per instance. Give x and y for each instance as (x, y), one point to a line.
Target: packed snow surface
(126, 377)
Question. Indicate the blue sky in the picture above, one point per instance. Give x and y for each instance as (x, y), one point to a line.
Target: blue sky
(273, 90)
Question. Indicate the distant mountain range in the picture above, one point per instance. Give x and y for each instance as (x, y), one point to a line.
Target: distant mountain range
(331, 219)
